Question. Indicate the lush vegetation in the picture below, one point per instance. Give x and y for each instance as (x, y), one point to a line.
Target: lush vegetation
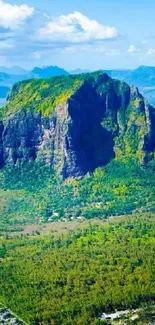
(35, 194)
(125, 117)
(43, 95)
(72, 279)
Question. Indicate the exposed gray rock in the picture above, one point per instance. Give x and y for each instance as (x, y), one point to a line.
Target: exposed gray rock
(8, 318)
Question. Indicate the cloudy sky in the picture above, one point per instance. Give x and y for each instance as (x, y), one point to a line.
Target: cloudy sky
(86, 34)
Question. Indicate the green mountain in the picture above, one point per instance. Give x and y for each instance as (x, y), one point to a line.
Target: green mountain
(54, 132)
(75, 123)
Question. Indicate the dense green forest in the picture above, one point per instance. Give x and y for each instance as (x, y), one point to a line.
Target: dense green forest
(34, 193)
(43, 95)
(73, 278)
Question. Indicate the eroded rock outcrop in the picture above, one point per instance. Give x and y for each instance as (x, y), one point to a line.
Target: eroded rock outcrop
(86, 128)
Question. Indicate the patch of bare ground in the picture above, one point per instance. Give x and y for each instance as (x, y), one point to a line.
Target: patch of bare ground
(61, 227)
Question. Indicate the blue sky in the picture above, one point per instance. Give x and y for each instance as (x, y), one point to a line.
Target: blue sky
(86, 34)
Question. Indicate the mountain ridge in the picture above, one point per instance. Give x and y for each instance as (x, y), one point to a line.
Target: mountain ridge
(143, 77)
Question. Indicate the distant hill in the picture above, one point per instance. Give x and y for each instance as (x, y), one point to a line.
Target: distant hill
(47, 72)
(14, 70)
(4, 79)
(79, 71)
(119, 74)
(142, 77)
(3, 91)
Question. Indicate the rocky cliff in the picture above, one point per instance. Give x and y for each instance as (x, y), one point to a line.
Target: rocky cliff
(75, 123)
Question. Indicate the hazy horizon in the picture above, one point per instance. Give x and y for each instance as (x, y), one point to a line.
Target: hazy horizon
(76, 68)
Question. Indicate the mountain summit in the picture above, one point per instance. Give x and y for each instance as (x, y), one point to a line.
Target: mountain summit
(75, 123)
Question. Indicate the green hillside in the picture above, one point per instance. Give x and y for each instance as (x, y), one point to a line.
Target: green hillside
(114, 128)
(35, 194)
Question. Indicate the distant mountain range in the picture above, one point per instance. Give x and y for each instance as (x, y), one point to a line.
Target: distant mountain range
(15, 70)
(142, 77)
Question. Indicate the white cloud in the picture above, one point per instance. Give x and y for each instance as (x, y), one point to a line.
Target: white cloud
(6, 44)
(75, 28)
(37, 55)
(151, 51)
(111, 52)
(132, 49)
(11, 16)
(145, 42)
(91, 48)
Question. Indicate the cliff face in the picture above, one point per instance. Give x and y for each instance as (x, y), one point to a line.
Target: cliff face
(86, 126)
